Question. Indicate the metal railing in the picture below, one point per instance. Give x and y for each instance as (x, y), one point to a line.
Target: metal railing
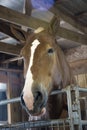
(74, 113)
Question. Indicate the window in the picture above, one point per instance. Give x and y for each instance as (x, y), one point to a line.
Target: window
(3, 108)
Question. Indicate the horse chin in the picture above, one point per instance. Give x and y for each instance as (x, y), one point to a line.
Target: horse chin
(41, 113)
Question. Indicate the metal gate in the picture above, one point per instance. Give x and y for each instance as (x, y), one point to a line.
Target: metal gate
(75, 95)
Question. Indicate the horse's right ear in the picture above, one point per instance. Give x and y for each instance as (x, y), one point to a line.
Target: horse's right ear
(19, 33)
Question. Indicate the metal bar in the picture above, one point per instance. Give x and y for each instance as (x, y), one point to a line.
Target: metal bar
(84, 122)
(67, 122)
(78, 108)
(58, 92)
(32, 124)
(18, 99)
(70, 112)
(82, 89)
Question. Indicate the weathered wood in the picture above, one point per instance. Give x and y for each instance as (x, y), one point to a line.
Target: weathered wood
(10, 49)
(28, 7)
(66, 17)
(11, 70)
(71, 35)
(14, 90)
(81, 80)
(76, 53)
(5, 28)
(12, 60)
(79, 66)
(21, 19)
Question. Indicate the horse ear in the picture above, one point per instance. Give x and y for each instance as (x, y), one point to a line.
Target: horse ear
(19, 33)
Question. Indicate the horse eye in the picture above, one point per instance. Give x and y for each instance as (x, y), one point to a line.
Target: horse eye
(50, 50)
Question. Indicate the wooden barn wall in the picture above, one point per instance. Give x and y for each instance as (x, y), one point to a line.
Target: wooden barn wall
(3, 77)
(14, 83)
(14, 90)
(81, 80)
(3, 108)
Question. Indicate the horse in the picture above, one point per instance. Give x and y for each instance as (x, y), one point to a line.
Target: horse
(45, 70)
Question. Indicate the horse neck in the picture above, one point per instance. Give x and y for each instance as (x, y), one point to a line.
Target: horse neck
(66, 74)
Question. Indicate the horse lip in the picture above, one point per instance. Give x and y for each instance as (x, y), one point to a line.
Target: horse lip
(42, 112)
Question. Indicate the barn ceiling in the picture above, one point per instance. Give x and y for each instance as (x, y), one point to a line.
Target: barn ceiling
(66, 18)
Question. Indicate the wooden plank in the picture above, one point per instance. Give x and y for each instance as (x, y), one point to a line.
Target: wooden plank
(11, 70)
(79, 66)
(11, 60)
(5, 28)
(81, 80)
(76, 53)
(21, 19)
(14, 89)
(28, 7)
(10, 49)
(66, 17)
(71, 35)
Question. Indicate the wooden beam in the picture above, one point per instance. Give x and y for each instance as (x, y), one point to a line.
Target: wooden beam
(77, 59)
(11, 70)
(11, 60)
(10, 49)
(5, 28)
(28, 7)
(56, 9)
(76, 53)
(79, 66)
(4, 38)
(71, 35)
(12, 91)
(21, 19)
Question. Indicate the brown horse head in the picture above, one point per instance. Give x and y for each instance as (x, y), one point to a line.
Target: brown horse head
(45, 69)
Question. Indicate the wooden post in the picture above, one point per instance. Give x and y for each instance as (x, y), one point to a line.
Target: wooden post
(14, 89)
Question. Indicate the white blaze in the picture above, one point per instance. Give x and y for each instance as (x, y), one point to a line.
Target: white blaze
(28, 96)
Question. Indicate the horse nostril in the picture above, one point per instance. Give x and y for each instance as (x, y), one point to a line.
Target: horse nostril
(22, 100)
(39, 99)
(38, 96)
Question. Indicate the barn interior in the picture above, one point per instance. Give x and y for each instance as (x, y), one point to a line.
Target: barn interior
(66, 19)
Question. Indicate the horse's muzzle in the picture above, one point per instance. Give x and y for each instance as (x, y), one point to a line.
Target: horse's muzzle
(40, 99)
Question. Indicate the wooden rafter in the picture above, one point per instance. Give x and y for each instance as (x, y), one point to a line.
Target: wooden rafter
(21, 19)
(71, 35)
(28, 7)
(10, 49)
(66, 17)
(62, 32)
(12, 60)
(5, 28)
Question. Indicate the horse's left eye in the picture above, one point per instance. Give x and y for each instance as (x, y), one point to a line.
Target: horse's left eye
(50, 50)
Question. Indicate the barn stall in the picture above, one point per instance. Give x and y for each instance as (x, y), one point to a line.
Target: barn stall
(67, 20)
